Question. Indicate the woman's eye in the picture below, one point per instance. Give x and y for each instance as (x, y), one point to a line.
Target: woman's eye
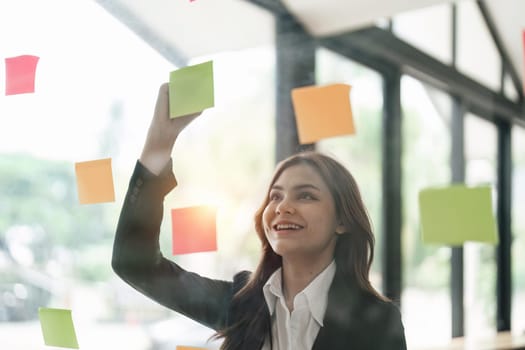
(306, 195)
(274, 196)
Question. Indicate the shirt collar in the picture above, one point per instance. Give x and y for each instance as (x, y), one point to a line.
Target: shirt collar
(316, 292)
(273, 289)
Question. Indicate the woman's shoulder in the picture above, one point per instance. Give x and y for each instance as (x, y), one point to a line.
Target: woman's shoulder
(240, 279)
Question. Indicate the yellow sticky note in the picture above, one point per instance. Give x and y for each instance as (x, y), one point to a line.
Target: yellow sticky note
(191, 89)
(180, 347)
(57, 328)
(456, 214)
(95, 181)
(322, 111)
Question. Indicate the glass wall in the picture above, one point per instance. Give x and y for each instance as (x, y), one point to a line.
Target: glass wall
(361, 152)
(518, 230)
(425, 162)
(95, 92)
(480, 259)
(474, 41)
(429, 29)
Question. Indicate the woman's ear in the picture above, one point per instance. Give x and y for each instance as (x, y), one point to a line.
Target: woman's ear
(340, 229)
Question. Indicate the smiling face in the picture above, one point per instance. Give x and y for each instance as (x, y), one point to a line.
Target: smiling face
(300, 217)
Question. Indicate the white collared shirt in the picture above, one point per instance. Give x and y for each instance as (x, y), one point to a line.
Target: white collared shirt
(297, 330)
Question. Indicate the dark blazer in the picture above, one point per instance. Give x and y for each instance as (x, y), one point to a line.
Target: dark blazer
(353, 320)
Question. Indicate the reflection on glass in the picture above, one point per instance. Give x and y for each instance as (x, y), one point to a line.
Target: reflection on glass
(480, 259)
(428, 29)
(361, 152)
(426, 268)
(518, 229)
(88, 105)
(477, 53)
(509, 88)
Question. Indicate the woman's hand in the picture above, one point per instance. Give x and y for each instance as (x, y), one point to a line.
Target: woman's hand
(162, 133)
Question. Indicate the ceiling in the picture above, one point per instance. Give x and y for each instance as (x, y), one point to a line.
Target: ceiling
(183, 29)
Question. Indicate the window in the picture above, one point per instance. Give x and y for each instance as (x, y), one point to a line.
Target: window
(361, 152)
(95, 101)
(510, 89)
(425, 162)
(518, 228)
(475, 41)
(480, 259)
(428, 29)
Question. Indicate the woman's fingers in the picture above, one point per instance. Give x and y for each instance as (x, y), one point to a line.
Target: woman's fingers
(163, 132)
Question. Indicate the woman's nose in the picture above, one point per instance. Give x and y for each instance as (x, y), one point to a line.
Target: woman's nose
(284, 206)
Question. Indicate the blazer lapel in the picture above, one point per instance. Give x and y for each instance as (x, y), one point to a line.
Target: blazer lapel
(339, 323)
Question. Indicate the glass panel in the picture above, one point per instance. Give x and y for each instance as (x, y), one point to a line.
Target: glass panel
(95, 101)
(477, 53)
(361, 152)
(480, 259)
(426, 268)
(428, 29)
(509, 89)
(518, 229)
(383, 23)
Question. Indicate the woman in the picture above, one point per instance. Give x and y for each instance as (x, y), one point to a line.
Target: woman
(311, 288)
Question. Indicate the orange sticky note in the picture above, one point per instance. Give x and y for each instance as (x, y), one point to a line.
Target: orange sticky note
(95, 181)
(20, 74)
(194, 229)
(322, 111)
(180, 347)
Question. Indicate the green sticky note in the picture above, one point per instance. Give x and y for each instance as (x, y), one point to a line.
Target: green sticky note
(191, 89)
(57, 327)
(456, 214)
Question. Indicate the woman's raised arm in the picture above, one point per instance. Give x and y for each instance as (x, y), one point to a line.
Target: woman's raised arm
(137, 258)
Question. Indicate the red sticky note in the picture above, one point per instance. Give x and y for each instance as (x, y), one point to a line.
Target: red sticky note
(194, 229)
(322, 111)
(20, 74)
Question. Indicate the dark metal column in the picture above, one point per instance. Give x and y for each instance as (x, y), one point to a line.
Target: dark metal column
(295, 67)
(504, 266)
(457, 159)
(392, 264)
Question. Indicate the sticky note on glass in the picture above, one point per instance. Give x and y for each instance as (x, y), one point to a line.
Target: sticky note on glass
(322, 111)
(57, 328)
(20, 74)
(95, 181)
(191, 89)
(194, 229)
(456, 214)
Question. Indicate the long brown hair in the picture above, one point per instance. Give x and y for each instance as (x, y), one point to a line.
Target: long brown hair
(354, 251)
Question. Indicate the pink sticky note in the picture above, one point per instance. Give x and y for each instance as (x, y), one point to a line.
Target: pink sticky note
(194, 229)
(20, 74)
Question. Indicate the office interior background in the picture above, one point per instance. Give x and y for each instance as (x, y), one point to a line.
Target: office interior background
(437, 98)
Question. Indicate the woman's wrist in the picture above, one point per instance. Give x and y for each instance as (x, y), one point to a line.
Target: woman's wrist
(155, 161)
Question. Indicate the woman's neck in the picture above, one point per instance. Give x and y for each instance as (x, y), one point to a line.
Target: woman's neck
(297, 275)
